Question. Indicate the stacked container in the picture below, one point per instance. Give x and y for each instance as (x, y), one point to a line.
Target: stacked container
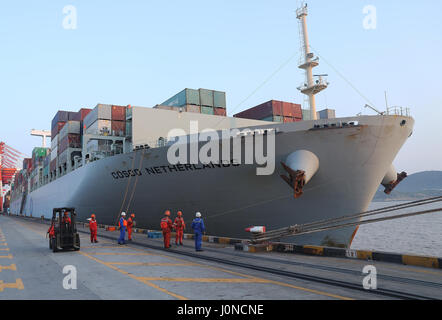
(275, 111)
(118, 125)
(326, 114)
(39, 155)
(99, 120)
(197, 101)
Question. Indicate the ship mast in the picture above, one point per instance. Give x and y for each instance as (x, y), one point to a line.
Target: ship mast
(314, 83)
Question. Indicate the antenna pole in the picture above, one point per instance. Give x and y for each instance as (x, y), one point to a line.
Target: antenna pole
(313, 86)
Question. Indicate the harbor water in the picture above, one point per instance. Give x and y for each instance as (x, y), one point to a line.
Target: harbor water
(419, 235)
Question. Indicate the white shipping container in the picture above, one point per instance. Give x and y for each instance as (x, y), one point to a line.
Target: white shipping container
(100, 127)
(71, 127)
(100, 112)
(54, 142)
(54, 153)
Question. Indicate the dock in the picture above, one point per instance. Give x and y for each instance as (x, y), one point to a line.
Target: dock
(225, 270)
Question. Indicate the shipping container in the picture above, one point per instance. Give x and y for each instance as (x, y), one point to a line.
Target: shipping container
(193, 108)
(100, 112)
(118, 128)
(54, 142)
(219, 99)
(128, 128)
(63, 157)
(207, 110)
(27, 163)
(219, 112)
(273, 119)
(81, 114)
(53, 165)
(118, 113)
(291, 110)
(69, 141)
(327, 114)
(100, 127)
(60, 116)
(267, 109)
(206, 97)
(291, 119)
(187, 96)
(56, 130)
(70, 127)
(54, 153)
(40, 152)
(306, 114)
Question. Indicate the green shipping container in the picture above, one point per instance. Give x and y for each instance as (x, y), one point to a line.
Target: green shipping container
(40, 152)
(219, 99)
(207, 110)
(274, 119)
(187, 96)
(206, 97)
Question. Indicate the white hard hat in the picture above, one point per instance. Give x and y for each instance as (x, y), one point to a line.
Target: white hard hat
(123, 214)
(198, 215)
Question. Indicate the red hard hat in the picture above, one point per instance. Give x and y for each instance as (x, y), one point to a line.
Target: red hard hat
(93, 215)
(180, 213)
(167, 213)
(133, 215)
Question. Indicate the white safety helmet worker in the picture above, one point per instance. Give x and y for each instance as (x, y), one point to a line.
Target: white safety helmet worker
(123, 214)
(198, 215)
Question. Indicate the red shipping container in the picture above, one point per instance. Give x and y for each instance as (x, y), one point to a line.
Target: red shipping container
(267, 109)
(118, 128)
(291, 110)
(118, 113)
(56, 130)
(219, 112)
(81, 114)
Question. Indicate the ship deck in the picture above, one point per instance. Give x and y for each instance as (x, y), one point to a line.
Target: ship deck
(143, 270)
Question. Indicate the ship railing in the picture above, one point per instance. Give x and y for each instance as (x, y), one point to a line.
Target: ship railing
(398, 111)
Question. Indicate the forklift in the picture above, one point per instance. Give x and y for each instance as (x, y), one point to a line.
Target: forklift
(63, 233)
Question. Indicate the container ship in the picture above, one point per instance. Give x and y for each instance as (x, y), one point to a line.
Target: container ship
(115, 158)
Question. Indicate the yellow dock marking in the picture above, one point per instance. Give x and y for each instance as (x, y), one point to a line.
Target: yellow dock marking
(133, 277)
(4, 249)
(9, 256)
(120, 254)
(155, 264)
(12, 267)
(17, 285)
(227, 280)
(3, 244)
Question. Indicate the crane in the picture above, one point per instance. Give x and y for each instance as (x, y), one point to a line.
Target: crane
(10, 161)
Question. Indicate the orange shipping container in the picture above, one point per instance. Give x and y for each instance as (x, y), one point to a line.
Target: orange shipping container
(219, 112)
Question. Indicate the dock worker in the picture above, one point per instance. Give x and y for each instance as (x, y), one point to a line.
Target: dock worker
(66, 218)
(166, 226)
(93, 228)
(199, 229)
(130, 225)
(179, 228)
(122, 224)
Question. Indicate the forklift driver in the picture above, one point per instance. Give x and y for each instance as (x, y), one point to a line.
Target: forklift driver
(66, 221)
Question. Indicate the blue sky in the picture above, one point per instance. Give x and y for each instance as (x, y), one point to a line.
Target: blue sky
(143, 52)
